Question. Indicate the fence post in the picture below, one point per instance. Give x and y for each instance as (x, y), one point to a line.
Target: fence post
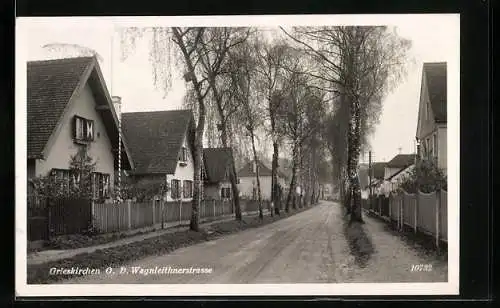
(154, 208)
(390, 206)
(180, 211)
(129, 222)
(213, 201)
(162, 209)
(438, 204)
(415, 213)
(401, 217)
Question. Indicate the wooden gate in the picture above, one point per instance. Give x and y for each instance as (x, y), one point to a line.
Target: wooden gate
(69, 215)
(38, 222)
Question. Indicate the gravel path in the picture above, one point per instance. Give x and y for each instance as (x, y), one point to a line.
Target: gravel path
(307, 247)
(393, 259)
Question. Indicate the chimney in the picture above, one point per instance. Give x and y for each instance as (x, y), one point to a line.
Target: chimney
(117, 103)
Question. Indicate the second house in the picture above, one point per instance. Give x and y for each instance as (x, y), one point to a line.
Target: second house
(162, 142)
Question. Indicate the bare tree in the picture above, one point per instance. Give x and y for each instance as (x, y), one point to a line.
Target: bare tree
(360, 64)
(242, 75)
(187, 41)
(214, 55)
(270, 57)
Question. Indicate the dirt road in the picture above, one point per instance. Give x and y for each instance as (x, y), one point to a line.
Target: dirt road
(307, 247)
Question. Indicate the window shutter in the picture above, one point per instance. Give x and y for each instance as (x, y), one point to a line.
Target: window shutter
(172, 190)
(73, 127)
(90, 130)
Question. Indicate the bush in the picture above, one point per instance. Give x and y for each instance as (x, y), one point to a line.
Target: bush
(426, 177)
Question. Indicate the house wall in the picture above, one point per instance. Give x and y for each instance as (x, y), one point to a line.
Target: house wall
(442, 148)
(63, 147)
(395, 181)
(182, 172)
(213, 191)
(247, 183)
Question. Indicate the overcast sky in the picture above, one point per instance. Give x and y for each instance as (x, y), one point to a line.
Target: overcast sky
(435, 38)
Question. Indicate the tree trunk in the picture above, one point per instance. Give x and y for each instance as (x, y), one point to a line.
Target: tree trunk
(354, 157)
(198, 147)
(291, 191)
(274, 192)
(256, 161)
(225, 143)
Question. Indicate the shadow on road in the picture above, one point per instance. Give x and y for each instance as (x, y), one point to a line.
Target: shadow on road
(360, 243)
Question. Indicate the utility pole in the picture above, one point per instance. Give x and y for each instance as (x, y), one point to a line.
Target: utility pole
(370, 177)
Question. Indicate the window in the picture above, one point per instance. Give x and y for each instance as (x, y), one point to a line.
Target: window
(435, 146)
(61, 177)
(83, 129)
(188, 189)
(100, 185)
(225, 192)
(175, 190)
(183, 156)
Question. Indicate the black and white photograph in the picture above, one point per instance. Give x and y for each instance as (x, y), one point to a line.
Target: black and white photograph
(237, 155)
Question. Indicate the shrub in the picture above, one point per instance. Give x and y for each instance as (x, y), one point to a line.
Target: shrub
(426, 177)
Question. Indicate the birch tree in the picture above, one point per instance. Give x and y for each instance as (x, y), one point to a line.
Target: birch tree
(187, 57)
(362, 64)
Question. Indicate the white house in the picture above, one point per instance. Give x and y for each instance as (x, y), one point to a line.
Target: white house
(248, 180)
(432, 114)
(161, 143)
(69, 109)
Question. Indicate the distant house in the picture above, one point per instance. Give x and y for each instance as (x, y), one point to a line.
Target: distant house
(378, 171)
(364, 180)
(248, 181)
(217, 163)
(392, 183)
(395, 170)
(161, 145)
(69, 108)
(397, 163)
(432, 115)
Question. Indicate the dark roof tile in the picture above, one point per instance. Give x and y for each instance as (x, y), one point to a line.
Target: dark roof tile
(155, 138)
(217, 163)
(247, 170)
(50, 85)
(435, 74)
(401, 161)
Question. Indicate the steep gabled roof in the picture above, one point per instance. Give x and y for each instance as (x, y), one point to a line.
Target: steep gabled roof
(155, 138)
(51, 86)
(435, 76)
(247, 170)
(217, 163)
(378, 170)
(401, 161)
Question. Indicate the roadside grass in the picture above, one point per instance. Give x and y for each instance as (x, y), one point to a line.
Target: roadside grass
(159, 245)
(359, 241)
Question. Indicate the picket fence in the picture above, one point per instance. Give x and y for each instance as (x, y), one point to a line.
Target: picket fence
(116, 217)
(422, 212)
